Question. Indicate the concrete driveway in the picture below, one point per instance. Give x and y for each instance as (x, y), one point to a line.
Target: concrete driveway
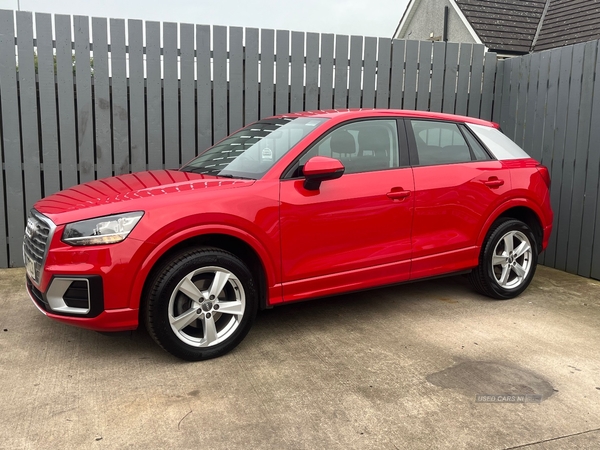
(394, 368)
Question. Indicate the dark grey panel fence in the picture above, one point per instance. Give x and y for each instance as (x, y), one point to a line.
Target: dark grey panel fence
(549, 103)
(103, 98)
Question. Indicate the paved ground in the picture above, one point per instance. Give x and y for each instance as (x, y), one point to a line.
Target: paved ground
(395, 368)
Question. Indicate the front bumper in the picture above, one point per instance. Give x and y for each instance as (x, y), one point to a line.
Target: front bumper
(95, 318)
(90, 287)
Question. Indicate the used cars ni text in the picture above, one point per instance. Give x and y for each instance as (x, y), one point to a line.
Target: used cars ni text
(292, 207)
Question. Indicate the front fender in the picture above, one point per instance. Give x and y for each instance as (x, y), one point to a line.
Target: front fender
(271, 269)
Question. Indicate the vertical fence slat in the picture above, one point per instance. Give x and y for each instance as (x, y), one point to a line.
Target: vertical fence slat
(267, 60)
(219, 83)
(340, 94)
(83, 86)
(521, 108)
(204, 87)
(47, 99)
(549, 125)
(11, 145)
(476, 81)
(326, 93)
(170, 96)
(4, 217)
(369, 73)
(511, 114)
(532, 93)
(464, 72)
(450, 78)
(251, 76)
(424, 76)
(573, 104)
(595, 272)
(311, 101)
(590, 241)
(236, 79)
(282, 72)
(437, 76)
(539, 128)
(396, 82)
(187, 93)
(103, 148)
(120, 108)
(537, 144)
(384, 54)
(154, 96)
(29, 110)
(582, 155)
(489, 78)
(355, 76)
(410, 77)
(509, 69)
(498, 91)
(297, 72)
(66, 101)
(558, 154)
(137, 110)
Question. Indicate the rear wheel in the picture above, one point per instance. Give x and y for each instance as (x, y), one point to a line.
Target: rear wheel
(507, 262)
(201, 304)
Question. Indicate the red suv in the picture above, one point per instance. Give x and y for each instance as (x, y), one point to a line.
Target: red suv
(289, 208)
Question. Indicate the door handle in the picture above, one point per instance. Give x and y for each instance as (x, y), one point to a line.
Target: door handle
(398, 194)
(493, 182)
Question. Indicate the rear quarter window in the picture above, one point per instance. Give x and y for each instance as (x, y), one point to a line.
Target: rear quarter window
(500, 145)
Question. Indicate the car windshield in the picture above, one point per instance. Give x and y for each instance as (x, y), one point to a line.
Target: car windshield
(253, 150)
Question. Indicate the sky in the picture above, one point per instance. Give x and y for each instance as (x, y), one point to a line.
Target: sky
(377, 18)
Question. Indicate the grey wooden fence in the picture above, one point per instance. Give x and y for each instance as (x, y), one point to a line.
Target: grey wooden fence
(159, 93)
(549, 103)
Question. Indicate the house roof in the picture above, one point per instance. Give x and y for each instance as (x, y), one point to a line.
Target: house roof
(505, 26)
(569, 22)
(522, 26)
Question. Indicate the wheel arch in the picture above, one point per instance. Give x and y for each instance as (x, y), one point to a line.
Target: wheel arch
(520, 210)
(233, 241)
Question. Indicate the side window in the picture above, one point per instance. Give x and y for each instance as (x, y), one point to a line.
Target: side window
(363, 146)
(439, 143)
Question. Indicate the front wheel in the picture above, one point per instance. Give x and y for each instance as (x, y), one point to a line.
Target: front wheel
(507, 262)
(200, 304)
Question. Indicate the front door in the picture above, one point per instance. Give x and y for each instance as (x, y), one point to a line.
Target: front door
(355, 231)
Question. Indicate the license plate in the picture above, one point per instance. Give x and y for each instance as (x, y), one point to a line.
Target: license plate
(30, 268)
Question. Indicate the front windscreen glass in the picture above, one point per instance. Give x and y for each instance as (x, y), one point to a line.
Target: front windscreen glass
(252, 151)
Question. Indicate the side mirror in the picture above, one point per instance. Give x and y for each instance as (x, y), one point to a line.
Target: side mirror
(321, 168)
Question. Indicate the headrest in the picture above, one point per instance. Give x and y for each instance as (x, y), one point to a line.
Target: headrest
(375, 139)
(342, 142)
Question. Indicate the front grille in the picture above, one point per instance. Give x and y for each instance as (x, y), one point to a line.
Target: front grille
(35, 243)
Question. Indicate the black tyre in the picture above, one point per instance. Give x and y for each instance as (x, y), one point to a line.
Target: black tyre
(507, 261)
(200, 304)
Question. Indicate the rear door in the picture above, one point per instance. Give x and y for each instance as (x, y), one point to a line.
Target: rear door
(354, 232)
(457, 185)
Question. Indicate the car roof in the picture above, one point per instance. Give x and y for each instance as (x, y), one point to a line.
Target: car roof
(374, 112)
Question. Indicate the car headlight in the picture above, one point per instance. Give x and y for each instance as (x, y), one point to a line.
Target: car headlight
(101, 230)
